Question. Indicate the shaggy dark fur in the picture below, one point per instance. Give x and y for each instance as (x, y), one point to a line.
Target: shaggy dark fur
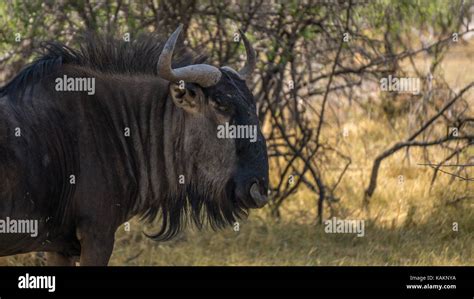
(103, 54)
(117, 177)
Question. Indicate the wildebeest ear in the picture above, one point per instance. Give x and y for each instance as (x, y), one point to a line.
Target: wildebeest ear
(186, 97)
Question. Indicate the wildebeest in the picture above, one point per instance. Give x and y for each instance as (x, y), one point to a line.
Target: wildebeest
(143, 143)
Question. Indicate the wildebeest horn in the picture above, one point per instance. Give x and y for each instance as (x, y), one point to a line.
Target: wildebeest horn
(202, 74)
(249, 66)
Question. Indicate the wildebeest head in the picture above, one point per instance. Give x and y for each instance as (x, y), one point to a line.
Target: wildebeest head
(214, 114)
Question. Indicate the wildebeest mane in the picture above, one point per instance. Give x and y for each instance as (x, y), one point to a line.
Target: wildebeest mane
(101, 53)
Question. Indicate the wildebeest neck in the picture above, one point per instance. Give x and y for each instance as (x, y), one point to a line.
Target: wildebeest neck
(120, 132)
(136, 109)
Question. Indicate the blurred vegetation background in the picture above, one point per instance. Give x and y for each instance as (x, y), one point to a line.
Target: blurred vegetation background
(339, 146)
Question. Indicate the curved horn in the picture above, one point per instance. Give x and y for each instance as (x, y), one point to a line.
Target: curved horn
(249, 66)
(202, 74)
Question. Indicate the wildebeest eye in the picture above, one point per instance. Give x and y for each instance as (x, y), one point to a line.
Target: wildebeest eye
(220, 107)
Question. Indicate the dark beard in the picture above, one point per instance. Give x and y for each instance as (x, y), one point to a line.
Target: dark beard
(212, 206)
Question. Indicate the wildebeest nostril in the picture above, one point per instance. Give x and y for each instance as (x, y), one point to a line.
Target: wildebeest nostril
(262, 185)
(259, 198)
